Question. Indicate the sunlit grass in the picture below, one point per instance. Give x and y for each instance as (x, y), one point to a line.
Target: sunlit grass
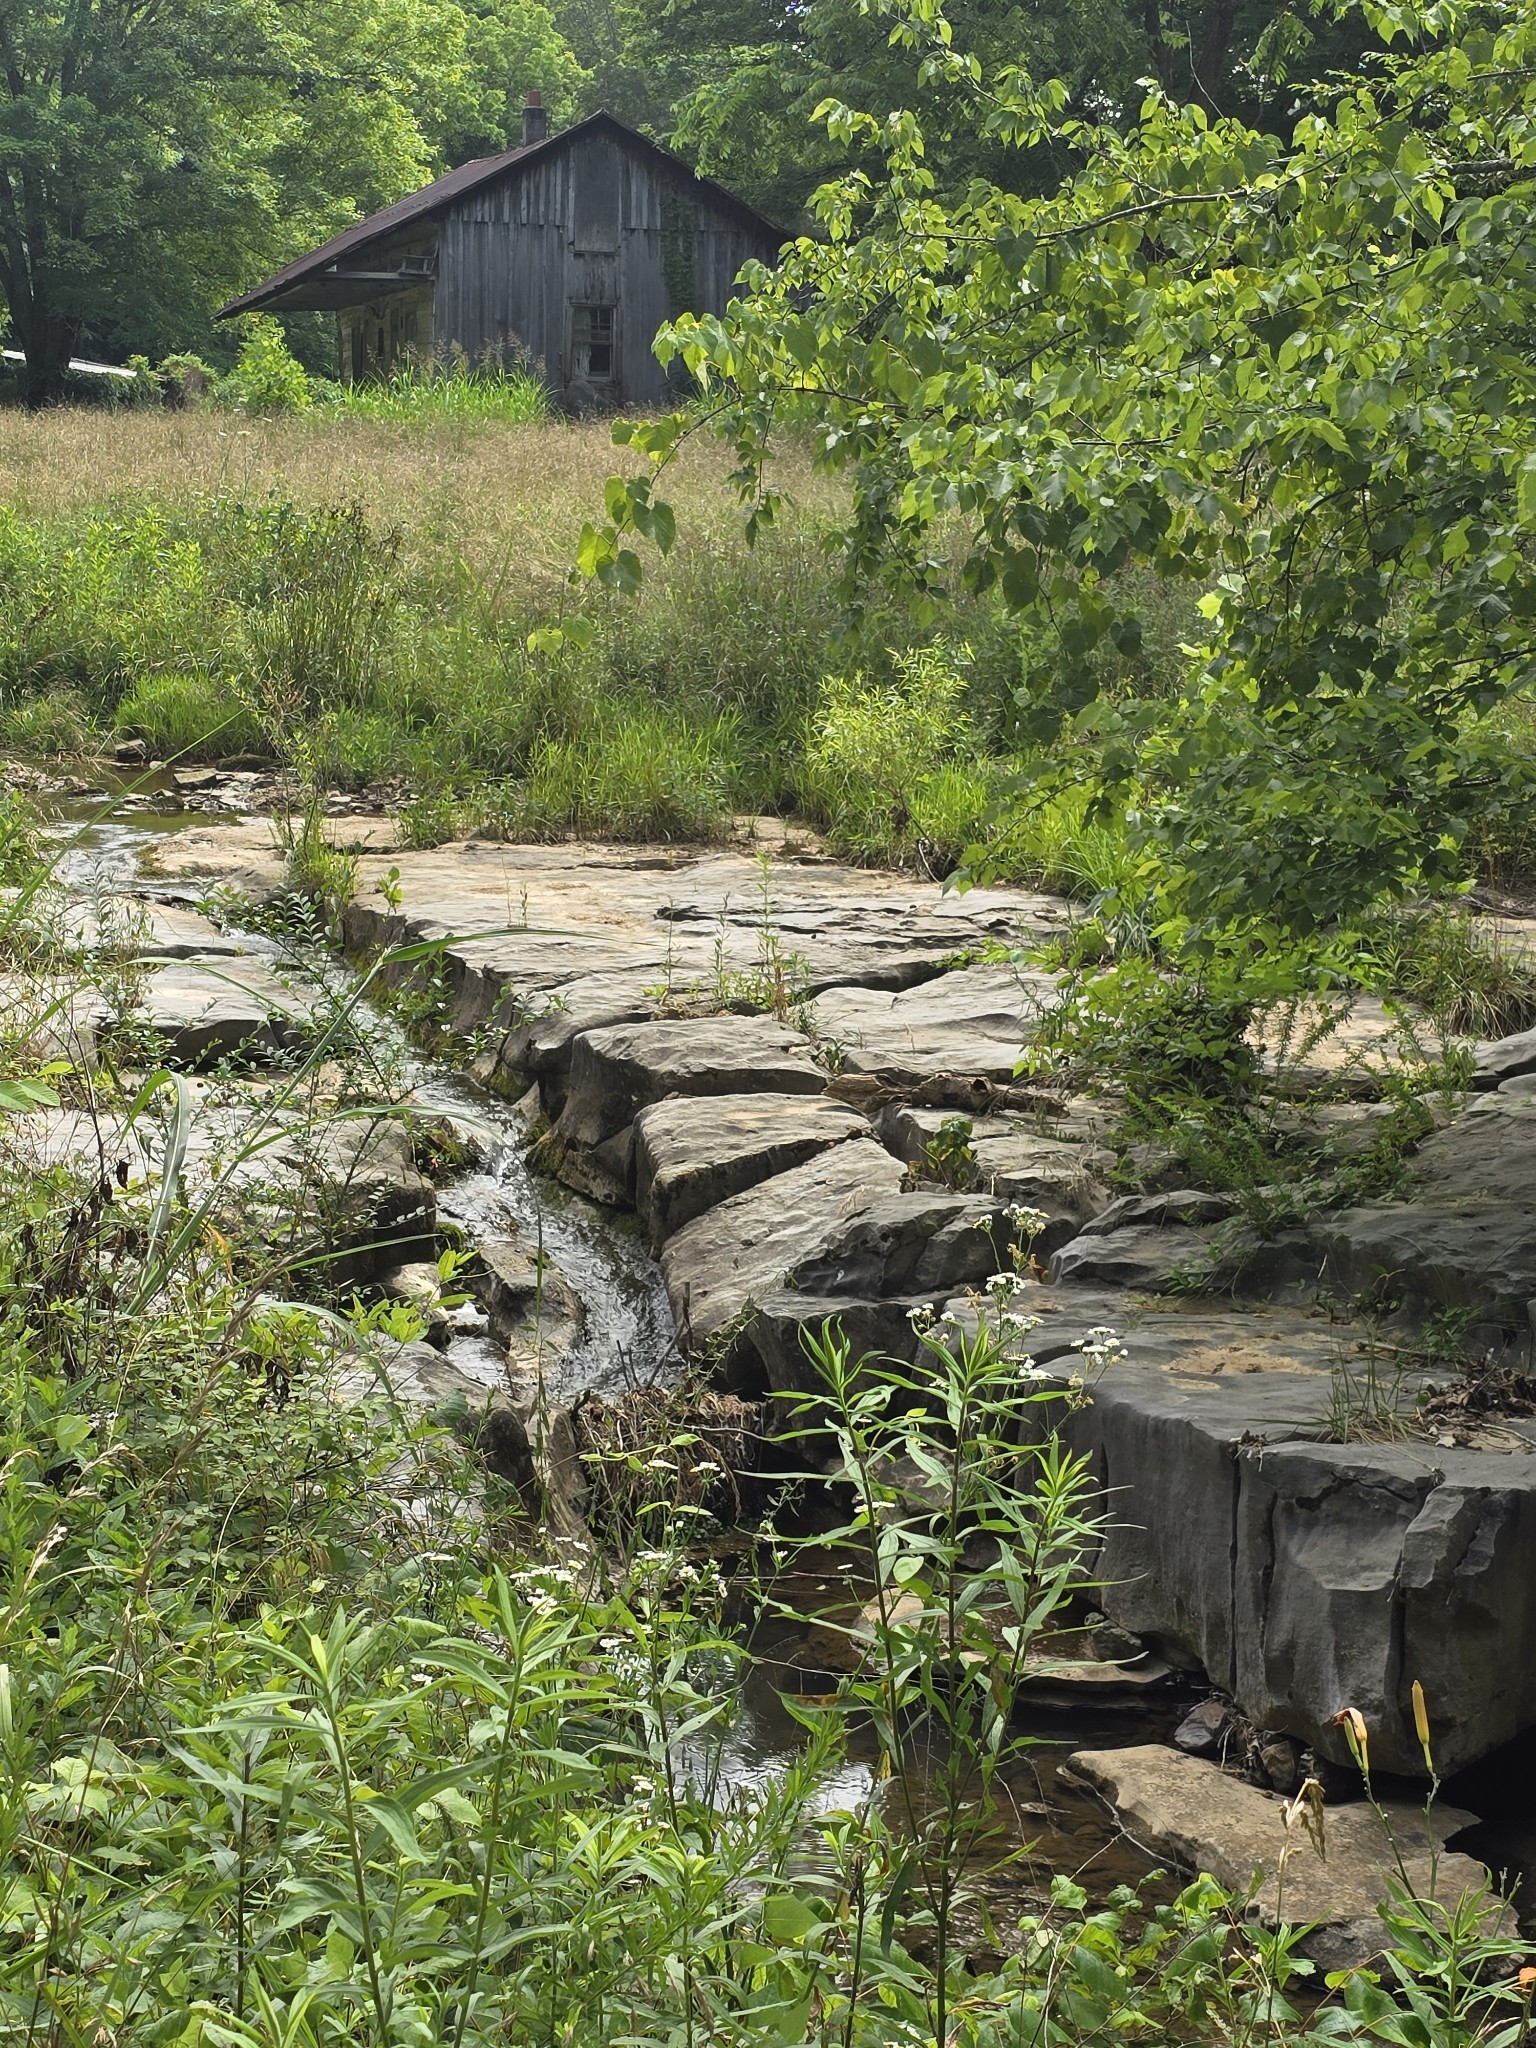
(423, 396)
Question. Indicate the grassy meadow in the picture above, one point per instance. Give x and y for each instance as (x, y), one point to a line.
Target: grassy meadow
(355, 595)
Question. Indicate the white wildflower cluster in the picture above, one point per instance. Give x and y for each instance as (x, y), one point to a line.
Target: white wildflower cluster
(1026, 1221)
(665, 1571)
(546, 1589)
(1101, 1347)
(1003, 1290)
(938, 1330)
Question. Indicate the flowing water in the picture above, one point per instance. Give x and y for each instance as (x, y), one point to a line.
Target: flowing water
(627, 1335)
(627, 1338)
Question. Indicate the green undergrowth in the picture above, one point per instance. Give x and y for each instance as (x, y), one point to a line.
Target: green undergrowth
(221, 625)
(224, 624)
(308, 1736)
(432, 391)
(1240, 1078)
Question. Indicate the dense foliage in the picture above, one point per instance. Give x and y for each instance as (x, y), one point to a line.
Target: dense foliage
(1292, 376)
(734, 83)
(154, 159)
(157, 159)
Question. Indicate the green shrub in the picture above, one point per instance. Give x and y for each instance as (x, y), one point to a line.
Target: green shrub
(318, 612)
(741, 632)
(267, 376)
(57, 722)
(1048, 839)
(92, 603)
(186, 380)
(353, 749)
(190, 717)
(431, 818)
(876, 747)
(1450, 964)
(428, 392)
(633, 775)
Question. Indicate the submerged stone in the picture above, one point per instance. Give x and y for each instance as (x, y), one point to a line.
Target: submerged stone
(1205, 1821)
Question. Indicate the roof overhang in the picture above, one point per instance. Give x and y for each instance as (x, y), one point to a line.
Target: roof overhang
(331, 294)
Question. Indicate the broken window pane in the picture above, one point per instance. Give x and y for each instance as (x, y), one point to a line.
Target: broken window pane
(592, 342)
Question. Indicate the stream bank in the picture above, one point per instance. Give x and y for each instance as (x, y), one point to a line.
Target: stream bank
(777, 1158)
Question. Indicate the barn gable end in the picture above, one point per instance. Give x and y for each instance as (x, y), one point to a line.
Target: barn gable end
(573, 249)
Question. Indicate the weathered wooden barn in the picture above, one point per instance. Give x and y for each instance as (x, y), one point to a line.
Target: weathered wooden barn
(573, 247)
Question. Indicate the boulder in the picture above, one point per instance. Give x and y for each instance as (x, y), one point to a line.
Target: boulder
(925, 1241)
(346, 1198)
(418, 1285)
(1303, 1575)
(1464, 1236)
(693, 1153)
(722, 1264)
(1181, 1207)
(209, 1010)
(1503, 1059)
(415, 1375)
(539, 1034)
(1144, 1256)
(1191, 1813)
(784, 1317)
(972, 1021)
(506, 1280)
(339, 1195)
(622, 1068)
(1067, 1179)
(417, 1378)
(1208, 1729)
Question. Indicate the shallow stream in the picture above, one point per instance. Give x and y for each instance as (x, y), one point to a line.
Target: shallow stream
(627, 1338)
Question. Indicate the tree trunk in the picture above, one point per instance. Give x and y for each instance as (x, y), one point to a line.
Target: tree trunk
(47, 343)
(1215, 52)
(1157, 45)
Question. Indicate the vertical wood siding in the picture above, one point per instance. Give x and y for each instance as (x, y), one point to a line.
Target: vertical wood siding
(596, 224)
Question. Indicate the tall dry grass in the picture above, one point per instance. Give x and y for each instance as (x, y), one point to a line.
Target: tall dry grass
(509, 500)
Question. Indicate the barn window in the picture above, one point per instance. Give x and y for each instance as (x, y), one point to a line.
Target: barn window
(592, 342)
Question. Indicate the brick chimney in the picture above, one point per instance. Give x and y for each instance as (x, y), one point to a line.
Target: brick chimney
(535, 120)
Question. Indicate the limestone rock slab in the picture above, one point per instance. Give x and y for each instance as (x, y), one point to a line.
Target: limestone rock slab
(342, 1194)
(1190, 1207)
(149, 931)
(972, 1020)
(1465, 1233)
(518, 922)
(721, 1265)
(1504, 1059)
(619, 1070)
(1065, 1178)
(1304, 1575)
(693, 1153)
(205, 1010)
(1203, 1821)
(916, 1241)
(1144, 1256)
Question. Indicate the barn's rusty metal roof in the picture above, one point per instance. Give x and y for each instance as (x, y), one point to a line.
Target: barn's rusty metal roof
(305, 279)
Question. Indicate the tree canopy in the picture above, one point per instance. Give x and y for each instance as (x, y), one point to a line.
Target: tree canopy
(1296, 376)
(734, 83)
(154, 156)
